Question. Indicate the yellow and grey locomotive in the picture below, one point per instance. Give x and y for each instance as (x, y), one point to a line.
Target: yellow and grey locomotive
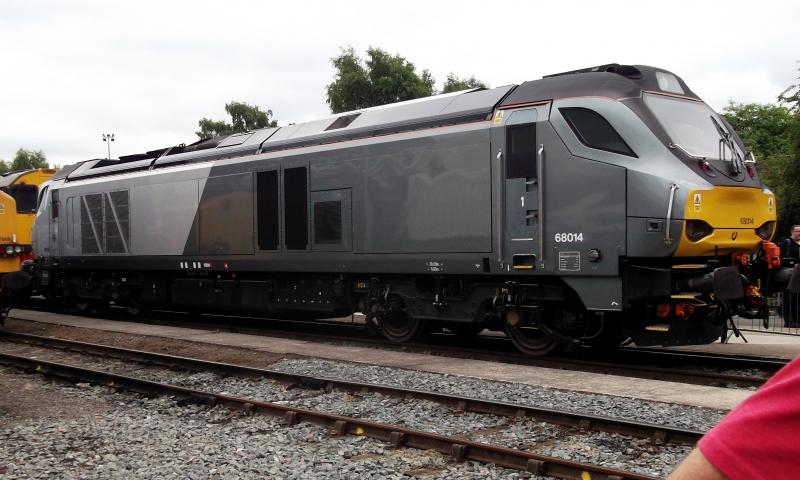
(581, 208)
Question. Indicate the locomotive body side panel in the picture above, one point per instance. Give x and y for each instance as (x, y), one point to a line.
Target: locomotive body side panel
(585, 205)
(425, 192)
(427, 195)
(161, 207)
(224, 220)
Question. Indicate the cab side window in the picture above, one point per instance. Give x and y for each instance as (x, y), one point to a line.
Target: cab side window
(521, 151)
(54, 204)
(594, 131)
(42, 196)
(25, 196)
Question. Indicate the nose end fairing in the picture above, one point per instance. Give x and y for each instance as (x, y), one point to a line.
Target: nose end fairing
(734, 213)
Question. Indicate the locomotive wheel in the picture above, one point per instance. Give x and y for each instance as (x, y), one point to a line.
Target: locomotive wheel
(135, 309)
(395, 324)
(398, 327)
(527, 338)
(91, 307)
(83, 305)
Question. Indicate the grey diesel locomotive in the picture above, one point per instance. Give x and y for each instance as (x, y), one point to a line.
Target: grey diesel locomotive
(582, 208)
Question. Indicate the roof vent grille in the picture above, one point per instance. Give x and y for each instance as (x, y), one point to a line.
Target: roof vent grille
(342, 121)
(628, 71)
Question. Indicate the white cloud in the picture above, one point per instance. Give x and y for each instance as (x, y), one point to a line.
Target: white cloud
(148, 70)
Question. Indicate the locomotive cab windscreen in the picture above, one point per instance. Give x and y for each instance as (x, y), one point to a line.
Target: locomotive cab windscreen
(25, 195)
(698, 131)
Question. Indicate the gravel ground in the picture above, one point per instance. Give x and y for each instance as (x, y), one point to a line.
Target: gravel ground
(598, 448)
(526, 434)
(137, 437)
(605, 405)
(171, 346)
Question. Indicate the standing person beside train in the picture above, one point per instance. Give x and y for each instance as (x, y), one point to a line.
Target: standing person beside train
(790, 253)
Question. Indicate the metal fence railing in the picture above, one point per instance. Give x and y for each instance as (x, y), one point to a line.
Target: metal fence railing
(783, 318)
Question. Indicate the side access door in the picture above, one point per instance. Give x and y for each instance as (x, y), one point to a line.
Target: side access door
(515, 144)
(563, 212)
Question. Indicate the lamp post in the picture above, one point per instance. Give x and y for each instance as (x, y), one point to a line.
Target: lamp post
(108, 137)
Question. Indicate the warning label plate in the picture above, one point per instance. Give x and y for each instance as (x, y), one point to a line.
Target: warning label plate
(569, 261)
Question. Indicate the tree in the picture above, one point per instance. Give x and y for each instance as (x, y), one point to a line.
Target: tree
(765, 130)
(791, 96)
(27, 160)
(244, 118)
(790, 213)
(454, 84)
(4, 168)
(380, 79)
(772, 132)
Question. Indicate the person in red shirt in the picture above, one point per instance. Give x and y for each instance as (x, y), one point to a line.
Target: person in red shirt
(759, 439)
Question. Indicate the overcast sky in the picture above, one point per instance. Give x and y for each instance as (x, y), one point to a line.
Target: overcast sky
(149, 70)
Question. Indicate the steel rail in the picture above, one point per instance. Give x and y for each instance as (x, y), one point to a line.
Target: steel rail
(771, 364)
(584, 422)
(458, 448)
(435, 347)
(592, 366)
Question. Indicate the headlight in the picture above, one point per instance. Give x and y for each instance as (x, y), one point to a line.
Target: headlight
(9, 249)
(766, 231)
(18, 249)
(697, 230)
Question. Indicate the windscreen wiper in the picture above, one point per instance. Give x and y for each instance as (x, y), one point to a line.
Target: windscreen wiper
(726, 141)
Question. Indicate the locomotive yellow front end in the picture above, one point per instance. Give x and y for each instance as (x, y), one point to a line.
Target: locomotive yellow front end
(726, 220)
(8, 234)
(724, 262)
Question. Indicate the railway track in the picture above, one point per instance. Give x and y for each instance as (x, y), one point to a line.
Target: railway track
(684, 357)
(457, 447)
(660, 433)
(630, 362)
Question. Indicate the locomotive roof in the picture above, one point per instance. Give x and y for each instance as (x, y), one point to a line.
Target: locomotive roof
(611, 80)
(12, 178)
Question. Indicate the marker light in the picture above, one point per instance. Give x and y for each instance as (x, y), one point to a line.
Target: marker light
(706, 168)
(698, 229)
(766, 230)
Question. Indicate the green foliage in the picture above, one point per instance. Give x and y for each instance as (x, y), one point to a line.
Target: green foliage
(772, 133)
(791, 96)
(454, 84)
(213, 128)
(764, 128)
(4, 167)
(380, 79)
(789, 213)
(25, 160)
(244, 118)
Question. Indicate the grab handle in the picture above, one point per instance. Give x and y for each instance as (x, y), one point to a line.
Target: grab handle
(540, 194)
(667, 236)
